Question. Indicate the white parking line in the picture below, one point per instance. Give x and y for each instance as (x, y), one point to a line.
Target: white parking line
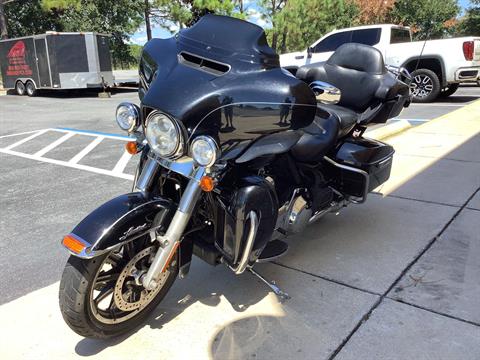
(117, 171)
(86, 150)
(67, 164)
(54, 144)
(28, 138)
(17, 134)
(122, 163)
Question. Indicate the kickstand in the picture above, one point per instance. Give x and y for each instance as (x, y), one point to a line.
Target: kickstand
(282, 295)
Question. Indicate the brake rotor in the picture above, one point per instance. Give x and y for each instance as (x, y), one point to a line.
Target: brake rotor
(128, 294)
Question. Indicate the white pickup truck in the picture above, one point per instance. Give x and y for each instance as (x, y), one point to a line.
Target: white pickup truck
(443, 65)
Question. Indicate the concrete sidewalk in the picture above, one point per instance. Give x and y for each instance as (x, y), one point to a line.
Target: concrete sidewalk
(395, 278)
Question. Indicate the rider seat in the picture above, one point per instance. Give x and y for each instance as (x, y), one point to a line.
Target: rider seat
(317, 138)
(359, 72)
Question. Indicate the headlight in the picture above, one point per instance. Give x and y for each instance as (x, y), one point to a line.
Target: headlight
(163, 135)
(204, 150)
(128, 116)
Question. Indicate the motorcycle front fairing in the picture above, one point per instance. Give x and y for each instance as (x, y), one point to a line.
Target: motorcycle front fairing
(225, 84)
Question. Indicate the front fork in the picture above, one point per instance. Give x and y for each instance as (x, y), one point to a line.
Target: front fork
(171, 240)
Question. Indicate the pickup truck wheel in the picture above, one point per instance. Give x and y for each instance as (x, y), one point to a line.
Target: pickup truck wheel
(20, 88)
(449, 90)
(425, 86)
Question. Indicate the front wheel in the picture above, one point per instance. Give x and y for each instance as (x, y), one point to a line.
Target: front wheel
(425, 86)
(103, 297)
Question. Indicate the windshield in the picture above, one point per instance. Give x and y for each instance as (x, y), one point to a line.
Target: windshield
(213, 35)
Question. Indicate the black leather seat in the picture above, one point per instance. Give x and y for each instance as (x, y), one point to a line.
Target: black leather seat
(346, 118)
(359, 72)
(317, 138)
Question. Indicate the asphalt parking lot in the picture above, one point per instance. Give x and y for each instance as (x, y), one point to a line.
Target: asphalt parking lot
(62, 155)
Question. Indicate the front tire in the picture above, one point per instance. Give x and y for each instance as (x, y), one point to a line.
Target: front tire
(425, 86)
(81, 307)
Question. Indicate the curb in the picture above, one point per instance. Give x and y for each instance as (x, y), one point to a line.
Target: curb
(389, 130)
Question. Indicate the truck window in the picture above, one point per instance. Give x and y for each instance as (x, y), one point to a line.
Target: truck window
(399, 36)
(366, 36)
(332, 42)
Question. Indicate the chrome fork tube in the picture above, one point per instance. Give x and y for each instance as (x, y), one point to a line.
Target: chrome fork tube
(146, 177)
(171, 240)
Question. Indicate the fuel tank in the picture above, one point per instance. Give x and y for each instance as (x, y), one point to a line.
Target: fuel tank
(220, 78)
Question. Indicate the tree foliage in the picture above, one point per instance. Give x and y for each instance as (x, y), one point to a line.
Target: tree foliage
(177, 14)
(303, 21)
(428, 18)
(28, 17)
(470, 24)
(115, 17)
(374, 11)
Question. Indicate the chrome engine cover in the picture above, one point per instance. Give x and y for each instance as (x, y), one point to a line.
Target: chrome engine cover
(295, 215)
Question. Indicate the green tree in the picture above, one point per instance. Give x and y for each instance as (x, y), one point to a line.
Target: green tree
(427, 18)
(301, 22)
(269, 10)
(470, 23)
(177, 14)
(28, 17)
(119, 18)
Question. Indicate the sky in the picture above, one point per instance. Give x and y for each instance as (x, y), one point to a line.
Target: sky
(140, 37)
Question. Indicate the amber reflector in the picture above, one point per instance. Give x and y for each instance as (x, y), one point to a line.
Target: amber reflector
(73, 244)
(131, 147)
(206, 183)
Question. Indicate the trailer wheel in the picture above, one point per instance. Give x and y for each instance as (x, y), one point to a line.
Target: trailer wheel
(20, 88)
(30, 88)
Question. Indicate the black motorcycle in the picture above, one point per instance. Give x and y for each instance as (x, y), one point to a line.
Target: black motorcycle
(235, 154)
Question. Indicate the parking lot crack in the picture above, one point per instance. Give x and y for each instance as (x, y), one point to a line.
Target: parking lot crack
(367, 315)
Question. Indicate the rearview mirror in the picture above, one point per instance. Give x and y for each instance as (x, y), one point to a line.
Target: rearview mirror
(326, 93)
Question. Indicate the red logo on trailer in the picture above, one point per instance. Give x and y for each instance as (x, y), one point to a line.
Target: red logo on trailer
(16, 61)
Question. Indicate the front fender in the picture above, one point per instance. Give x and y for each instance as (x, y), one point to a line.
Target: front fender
(118, 221)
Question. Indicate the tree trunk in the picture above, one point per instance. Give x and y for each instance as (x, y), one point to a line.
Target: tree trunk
(274, 40)
(283, 46)
(147, 20)
(3, 21)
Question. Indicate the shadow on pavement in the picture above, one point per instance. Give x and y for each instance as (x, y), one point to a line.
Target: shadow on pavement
(78, 93)
(453, 169)
(457, 99)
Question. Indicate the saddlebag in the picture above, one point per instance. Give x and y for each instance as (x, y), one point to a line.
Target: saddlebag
(361, 165)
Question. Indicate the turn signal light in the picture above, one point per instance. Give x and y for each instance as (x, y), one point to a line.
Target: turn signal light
(206, 183)
(131, 147)
(73, 244)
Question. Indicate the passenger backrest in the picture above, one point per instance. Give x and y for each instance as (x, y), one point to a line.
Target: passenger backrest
(357, 70)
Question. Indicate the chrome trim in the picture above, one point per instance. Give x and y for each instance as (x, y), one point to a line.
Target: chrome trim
(252, 233)
(181, 145)
(147, 175)
(135, 110)
(212, 143)
(359, 171)
(184, 166)
(325, 93)
(170, 241)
